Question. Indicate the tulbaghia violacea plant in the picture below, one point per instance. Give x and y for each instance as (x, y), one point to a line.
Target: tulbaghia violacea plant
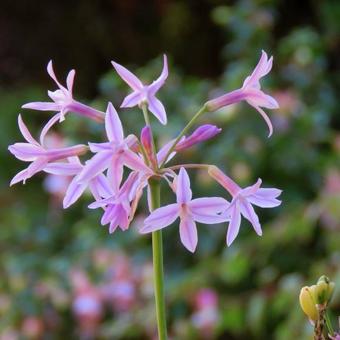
(145, 166)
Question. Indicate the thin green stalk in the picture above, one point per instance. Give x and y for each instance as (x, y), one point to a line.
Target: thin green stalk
(183, 132)
(157, 253)
(329, 324)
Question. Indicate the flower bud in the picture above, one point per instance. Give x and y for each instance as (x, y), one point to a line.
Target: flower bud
(201, 134)
(323, 290)
(307, 303)
(146, 140)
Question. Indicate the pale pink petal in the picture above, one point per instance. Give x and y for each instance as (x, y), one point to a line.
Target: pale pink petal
(128, 77)
(249, 213)
(42, 106)
(25, 132)
(98, 147)
(63, 169)
(101, 186)
(206, 209)
(234, 224)
(26, 152)
(70, 80)
(97, 164)
(183, 191)
(157, 108)
(164, 150)
(20, 176)
(134, 162)
(36, 166)
(262, 68)
(113, 125)
(47, 127)
(259, 98)
(252, 189)
(51, 73)
(115, 172)
(265, 198)
(266, 119)
(208, 205)
(160, 218)
(110, 214)
(74, 191)
(188, 233)
(132, 99)
(159, 82)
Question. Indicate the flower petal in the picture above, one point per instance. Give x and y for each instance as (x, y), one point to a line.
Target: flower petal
(74, 191)
(234, 224)
(183, 191)
(159, 82)
(26, 152)
(25, 132)
(51, 73)
(97, 164)
(266, 119)
(63, 169)
(47, 127)
(160, 218)
(113, 125)
(206, 209)
(128, 76)
(70, 80)
(262, 68)
(20, 176)
(249, 213)
(265, 198)
(133, 161)
(42, 106)
(157, 109)
(131, 100)
(188, 233)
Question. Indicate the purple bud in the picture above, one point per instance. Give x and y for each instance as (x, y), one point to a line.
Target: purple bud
(201, 134)
(146, 140)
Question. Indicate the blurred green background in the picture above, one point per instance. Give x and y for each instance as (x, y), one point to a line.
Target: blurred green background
(63, 275)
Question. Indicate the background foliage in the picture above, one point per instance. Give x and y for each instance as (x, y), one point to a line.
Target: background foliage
(64, 275)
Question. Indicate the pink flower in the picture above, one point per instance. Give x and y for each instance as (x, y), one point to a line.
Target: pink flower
(203, 210)
(114, 154)
(250, 92)
(144, 93)
(38, 154)
(242, 202)
(98, 185)
(63, 101)
(201, 134)
(118, 211)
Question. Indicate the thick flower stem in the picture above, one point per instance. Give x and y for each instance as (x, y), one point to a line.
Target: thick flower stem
(320, 323)
(157, 251)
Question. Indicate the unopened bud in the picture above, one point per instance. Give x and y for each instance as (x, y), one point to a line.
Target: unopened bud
(146, 140)
(201, 134)
(307, 303)
(323, 290)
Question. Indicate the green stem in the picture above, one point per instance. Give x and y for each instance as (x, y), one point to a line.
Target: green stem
(157, 253)
(329, 324)
(183, 132)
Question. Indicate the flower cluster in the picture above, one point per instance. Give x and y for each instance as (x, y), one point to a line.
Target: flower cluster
(123, 166)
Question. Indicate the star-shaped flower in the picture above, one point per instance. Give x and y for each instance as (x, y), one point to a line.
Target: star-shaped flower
(243, 201)
(203, 210)
(38, 154)
(114, 154)
(250, 92)
(144, 93)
